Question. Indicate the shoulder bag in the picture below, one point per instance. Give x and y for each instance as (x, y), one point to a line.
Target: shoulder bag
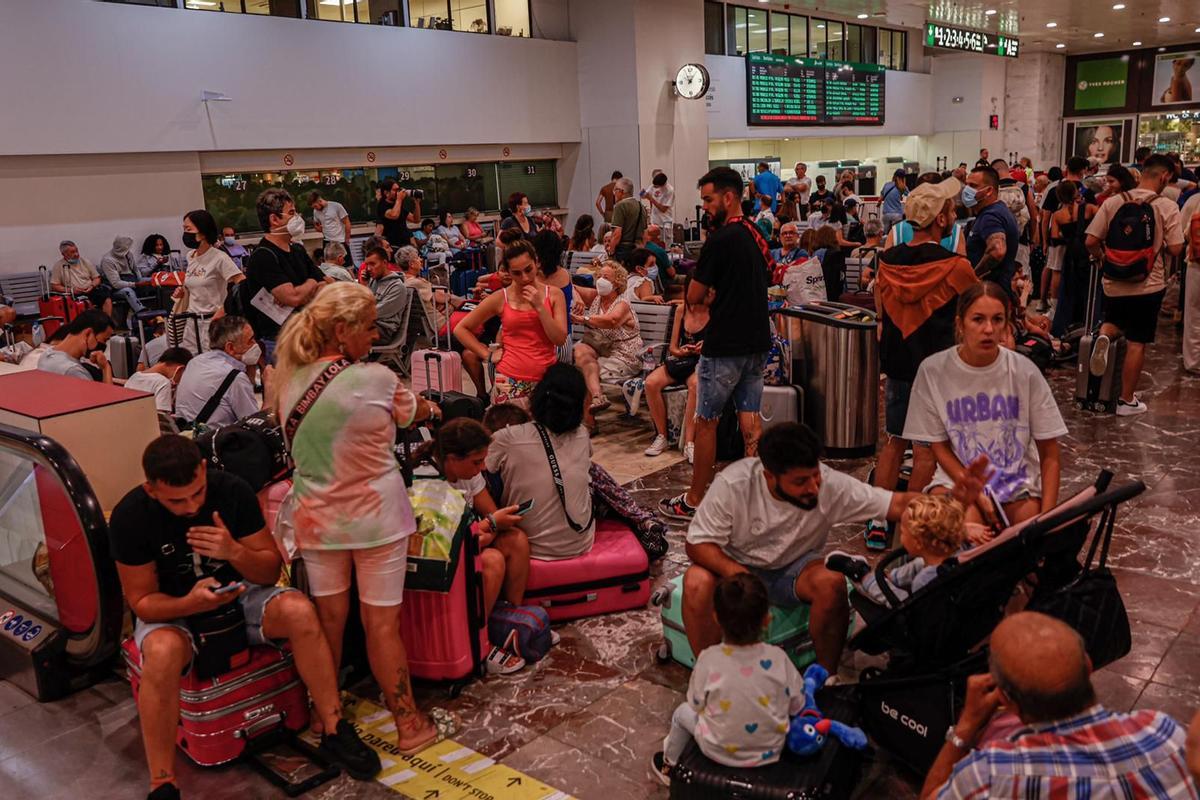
(552, 458)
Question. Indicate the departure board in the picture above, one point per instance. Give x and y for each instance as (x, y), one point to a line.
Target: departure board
(787, 90)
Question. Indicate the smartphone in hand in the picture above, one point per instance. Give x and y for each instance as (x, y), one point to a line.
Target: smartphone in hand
(523, 508)
(232, 587)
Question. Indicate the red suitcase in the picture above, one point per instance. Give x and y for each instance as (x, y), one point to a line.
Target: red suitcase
(55, 310)
(613, 576)
(218, 718)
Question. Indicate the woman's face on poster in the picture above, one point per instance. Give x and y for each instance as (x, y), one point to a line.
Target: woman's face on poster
(1103, 144)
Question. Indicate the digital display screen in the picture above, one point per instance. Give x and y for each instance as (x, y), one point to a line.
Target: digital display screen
(951, 38)
(788, 90)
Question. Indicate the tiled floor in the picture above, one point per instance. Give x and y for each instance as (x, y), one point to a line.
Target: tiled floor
(587, 718)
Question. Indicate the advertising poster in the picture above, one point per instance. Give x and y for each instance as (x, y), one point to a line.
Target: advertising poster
(1109, 140)
(1176, 78)
(1101, 83)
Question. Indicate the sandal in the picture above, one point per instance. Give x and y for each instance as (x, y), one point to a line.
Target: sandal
(445, 723)
(599, 403)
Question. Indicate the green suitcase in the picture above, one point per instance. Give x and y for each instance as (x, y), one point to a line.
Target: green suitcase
(788, 629)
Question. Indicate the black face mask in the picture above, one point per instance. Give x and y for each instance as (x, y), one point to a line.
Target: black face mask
(190, 240)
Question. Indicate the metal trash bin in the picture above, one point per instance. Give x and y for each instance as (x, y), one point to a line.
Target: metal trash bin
(835, 357)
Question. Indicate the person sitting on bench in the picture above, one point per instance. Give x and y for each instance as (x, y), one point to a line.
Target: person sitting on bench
(177, 537)
(770, 515)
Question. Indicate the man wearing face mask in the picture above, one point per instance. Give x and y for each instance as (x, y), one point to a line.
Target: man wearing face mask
(84, 340)
(215, 389)
(75, 274)
(992, 242)
(120, 272)
(280, 277)
(229, 244)
(161, 379)
(771, 516)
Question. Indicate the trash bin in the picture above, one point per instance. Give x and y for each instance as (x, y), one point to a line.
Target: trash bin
(835, 357)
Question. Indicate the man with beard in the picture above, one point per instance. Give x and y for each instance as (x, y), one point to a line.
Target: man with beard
(771, 516)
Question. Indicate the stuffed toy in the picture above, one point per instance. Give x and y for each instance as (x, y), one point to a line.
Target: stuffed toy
(809, 729)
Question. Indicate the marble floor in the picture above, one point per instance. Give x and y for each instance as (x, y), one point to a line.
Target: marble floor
(587, 718)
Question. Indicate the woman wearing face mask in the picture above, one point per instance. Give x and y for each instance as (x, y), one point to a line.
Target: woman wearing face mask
(642, 284)
(210, 273)
(522, 216)
(979, 398)
(611, 349)
(533, 323)
(348, 503)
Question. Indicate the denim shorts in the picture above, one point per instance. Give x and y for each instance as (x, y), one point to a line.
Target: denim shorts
(895, 398)
(722, 377)
(781, 583)
(254, 606)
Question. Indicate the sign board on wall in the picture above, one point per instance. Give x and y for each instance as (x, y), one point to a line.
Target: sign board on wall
(1101, 83)
(1176, 78)
(786, 90)
(948, 37)
(1110, 140)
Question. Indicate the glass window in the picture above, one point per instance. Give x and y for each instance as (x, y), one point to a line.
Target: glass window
(536, 179)
(469, 15)
(714, 29)
(900, 49)
(277, 8)
(159, 3)
(368, 12)
(868, 46)
(885, 48)
(799, 37)
(779, 34)
(430, 14)
(738, 31)
(756, 26)
(834, 40)
(462, 186)
(512, 18)
(854, 43)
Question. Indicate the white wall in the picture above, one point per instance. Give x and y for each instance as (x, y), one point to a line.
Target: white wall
(1034, 101)
(91, 77)
(906, 106)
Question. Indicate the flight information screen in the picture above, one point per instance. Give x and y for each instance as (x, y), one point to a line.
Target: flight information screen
(788, 90)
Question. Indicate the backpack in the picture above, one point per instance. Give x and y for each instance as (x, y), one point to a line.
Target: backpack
(252, 448)
(529, 625)
(1013, 196)
(1129, 243)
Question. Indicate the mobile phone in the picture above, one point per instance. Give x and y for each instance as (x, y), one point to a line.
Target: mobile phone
(233, 587)
(523, 508)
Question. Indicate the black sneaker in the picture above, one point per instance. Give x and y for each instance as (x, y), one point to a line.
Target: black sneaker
(167, 791)
(853, 567)
(661, 769)
(349, 751)
(677, 508)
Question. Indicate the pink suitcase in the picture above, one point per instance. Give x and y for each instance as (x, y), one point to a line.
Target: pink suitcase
(446, 363)
(445, 633)
(614, 576)
(218, 718)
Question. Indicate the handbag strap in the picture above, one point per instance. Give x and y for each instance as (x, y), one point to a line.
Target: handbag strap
(1102, 541)
(309, 398)
(210, 407)
(558, 482)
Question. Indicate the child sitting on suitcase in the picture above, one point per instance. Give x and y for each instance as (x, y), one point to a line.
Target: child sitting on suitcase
(177, 538)
(743, 691)
(932, 529)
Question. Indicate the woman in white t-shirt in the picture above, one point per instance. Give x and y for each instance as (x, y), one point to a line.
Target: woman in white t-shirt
(210, 272)
(979, 398)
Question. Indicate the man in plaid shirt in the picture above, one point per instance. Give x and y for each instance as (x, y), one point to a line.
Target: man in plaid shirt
(1070, 747)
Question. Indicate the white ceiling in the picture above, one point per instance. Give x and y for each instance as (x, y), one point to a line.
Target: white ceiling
(1077, 20)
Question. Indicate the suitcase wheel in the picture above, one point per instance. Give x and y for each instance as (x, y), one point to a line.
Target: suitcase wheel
(660, 596)
(663, 653)
(454, 690)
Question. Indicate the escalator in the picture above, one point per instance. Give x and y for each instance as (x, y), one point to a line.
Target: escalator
(60, 600)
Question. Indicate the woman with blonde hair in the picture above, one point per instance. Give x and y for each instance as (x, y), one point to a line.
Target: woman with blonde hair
(348, 502)
(611, 349)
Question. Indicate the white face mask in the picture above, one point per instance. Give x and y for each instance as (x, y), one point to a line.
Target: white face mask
(295, 226)
(604, 287)
(528, 209)
(252, 356)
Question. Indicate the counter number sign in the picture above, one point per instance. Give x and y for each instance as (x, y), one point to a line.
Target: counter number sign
(948, 37)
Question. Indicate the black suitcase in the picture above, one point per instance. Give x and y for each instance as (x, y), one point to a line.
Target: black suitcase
(832, 774)
(1092, 392)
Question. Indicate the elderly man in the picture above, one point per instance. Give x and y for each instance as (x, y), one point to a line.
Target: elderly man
(333, 262)
(629, 220)
(391, 295)
(1070, 745)
(120, 272)
(789, 251)
(215, 389)
(75, 275)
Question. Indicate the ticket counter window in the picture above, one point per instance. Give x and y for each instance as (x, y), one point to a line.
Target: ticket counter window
(367, 12)
(274, 8)
(512, 18)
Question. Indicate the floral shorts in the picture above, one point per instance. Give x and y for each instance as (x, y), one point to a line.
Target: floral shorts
(509, 390)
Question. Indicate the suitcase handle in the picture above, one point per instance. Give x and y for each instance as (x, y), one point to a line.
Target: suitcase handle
(260, 725)
(590, 597)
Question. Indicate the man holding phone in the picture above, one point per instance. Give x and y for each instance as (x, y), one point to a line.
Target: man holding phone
(187, 542)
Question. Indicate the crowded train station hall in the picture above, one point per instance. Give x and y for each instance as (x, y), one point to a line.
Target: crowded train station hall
(598, 399)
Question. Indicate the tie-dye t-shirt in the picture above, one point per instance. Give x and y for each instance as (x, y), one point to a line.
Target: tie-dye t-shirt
(1001, 411)
(348, 491)
(744, 696)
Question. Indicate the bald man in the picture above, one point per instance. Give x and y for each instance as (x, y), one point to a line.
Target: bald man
(1070, 745)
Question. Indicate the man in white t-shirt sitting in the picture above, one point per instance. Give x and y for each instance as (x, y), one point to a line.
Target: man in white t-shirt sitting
(161, 379)
(771, 515)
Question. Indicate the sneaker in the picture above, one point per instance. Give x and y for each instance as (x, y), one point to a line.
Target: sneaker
(661, 769)
(876, 535)
(689, 452)
(1099, 362)
(853, 567)
(555, 638)
(676, 508)
(1131, 409)
(167, 791)
(345, 748)
(657, 447)
(500, 661)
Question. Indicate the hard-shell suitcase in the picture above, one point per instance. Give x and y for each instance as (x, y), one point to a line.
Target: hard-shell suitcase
(123, 351)
(788, 629)
(1097, 393)
(454, 403)
(218, 718)
(830, 774)
(781, 404)
(55, 310)
(446, 363)
(613, 576)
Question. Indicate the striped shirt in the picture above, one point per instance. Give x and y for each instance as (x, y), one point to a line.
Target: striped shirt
(1095, 755)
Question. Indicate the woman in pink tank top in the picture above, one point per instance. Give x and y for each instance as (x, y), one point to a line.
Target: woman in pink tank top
(533, 322)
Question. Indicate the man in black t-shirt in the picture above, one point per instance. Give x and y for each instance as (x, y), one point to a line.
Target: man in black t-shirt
(735, 264)
(394, 211)
(280, 277)
(176, 538)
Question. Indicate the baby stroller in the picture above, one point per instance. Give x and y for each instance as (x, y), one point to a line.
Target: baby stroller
(937, 637)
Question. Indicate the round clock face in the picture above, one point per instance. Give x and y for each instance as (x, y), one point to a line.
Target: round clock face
(692, 81)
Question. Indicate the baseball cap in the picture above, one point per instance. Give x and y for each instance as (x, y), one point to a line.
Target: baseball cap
(899, 174)
(927, 200)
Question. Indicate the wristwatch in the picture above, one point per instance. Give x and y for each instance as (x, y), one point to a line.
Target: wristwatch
(956, 740)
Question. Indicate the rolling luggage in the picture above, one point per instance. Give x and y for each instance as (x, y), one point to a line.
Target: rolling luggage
(781, 404)
(123, 352)
(219, 718)
(453, 402)
(56, 310)
(831, 773)
(613, 576)
(1097, 393)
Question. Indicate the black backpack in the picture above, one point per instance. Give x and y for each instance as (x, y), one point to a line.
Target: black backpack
(252, 448)
(1129, 244)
